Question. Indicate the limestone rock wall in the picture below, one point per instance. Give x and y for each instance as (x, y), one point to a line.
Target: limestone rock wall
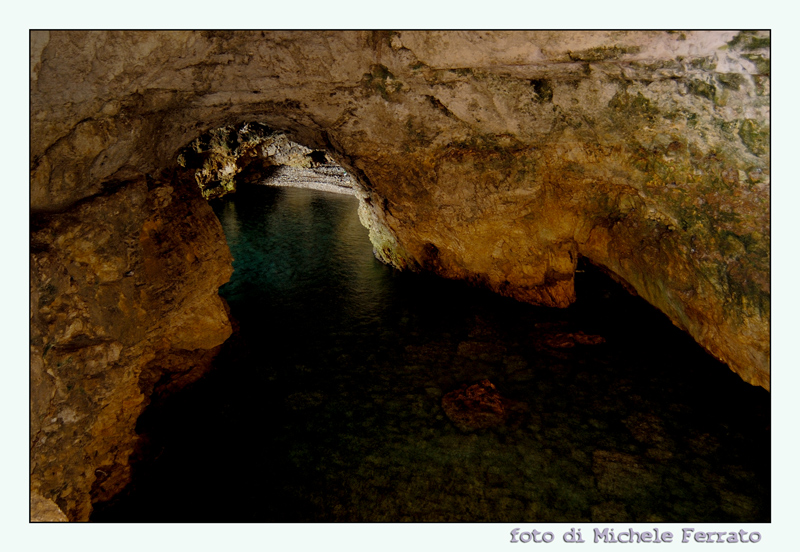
(43, 509)
(121, 286)
(497, 157)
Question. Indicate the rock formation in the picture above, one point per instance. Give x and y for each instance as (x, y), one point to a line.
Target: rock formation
(123, 302)
(495, 157)
(479, 406)
(250, 153)
(43, 509)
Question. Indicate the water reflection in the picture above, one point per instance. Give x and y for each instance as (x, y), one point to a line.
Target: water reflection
(326, 405)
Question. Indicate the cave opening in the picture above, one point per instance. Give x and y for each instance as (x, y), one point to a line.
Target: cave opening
(334, 399)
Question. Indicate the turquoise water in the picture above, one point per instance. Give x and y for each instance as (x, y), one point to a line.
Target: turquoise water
(326, 403)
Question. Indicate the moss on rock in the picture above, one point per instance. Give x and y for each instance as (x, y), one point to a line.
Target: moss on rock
(703, 89)
(627, 106)
(762, 64)
(732, 81)
(603, 53)
(381, 81)
(754, 136)
(749, 40)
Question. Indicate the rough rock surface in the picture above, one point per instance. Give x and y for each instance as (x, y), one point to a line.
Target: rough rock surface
(495, 157)
(228, 156)
(123, 301)
(43, 509)
(562, 340)
(479, 406)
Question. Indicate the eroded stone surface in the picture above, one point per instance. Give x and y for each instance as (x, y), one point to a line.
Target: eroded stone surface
(116, 296)
(479, 406)
(563, 340)
(496, 157)
(43, 509)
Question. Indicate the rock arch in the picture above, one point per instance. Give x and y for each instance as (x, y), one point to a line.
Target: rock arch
(498, 157)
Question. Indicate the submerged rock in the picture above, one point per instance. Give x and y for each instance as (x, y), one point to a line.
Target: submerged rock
(623, 475)
(479, 406)
(568, 340)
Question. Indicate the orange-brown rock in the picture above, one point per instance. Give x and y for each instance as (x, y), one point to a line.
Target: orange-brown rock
(479, 406)
(120, 286)
(495, 157)
(43, 509)
(563, 340)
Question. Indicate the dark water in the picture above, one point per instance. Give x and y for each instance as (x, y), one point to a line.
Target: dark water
(326, 405)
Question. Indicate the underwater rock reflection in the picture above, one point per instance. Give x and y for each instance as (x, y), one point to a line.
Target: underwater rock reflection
(327, 403)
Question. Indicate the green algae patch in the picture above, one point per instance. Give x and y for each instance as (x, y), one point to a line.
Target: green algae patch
(762, 85)
(731, 81)
(727, 128)
(756, 43)
(416, 132)
(660, 65)
(762, 64)
(754, 136)
(381, 81)
(703, 89)
(497, 155)
(462, 71)
(603, 53)
(704, 64)
(627, 106)
(749, 41)
(488, 143)
(727, 251)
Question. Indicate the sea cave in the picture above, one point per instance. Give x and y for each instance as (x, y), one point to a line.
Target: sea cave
(357, 276)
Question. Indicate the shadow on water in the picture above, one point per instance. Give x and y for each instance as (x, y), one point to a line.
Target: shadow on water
(326, 404)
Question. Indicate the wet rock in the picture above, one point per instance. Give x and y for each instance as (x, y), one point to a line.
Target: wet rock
(564, 340)
(703, 443)
(479, 406)
(623, 475)
(659, 454)
(647, 428)
(481, 350)
(434, 352)
(302, 401)
(737, 505)
(609, 512)
(482, 329)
